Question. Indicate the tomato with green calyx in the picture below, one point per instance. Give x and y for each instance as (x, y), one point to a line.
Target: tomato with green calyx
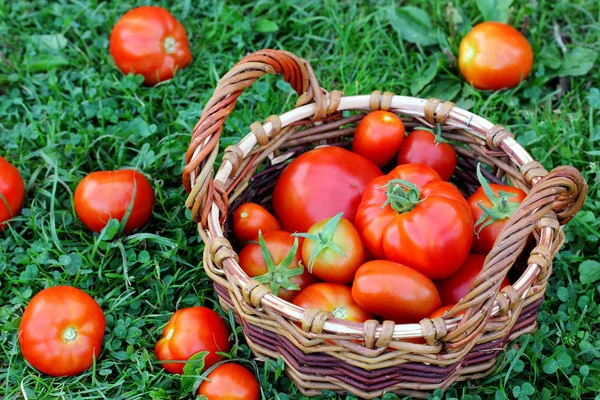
(422, 146)
(378, 137)
(61, 331)
(412, 217)
(334, 298)
(491, 206)
(276, 262)
(230, 381)
(12, 192)
(319, 184)
(394, 291)
(190, 331)
(332, 250)
(249, 218)
(149, 41)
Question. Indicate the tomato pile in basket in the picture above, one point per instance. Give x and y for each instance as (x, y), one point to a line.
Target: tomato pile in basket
(347, 238)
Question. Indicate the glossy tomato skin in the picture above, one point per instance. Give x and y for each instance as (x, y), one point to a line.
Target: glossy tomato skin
(105, 194)
(249, 218)
(334, 298)
(378, 137)
(190, 331)
(319, 184)
(279, 244)
(149, 41)
(420, 147)
(455, 287)
(484, 241)
(394, 291)
(61, 331)
(12, 189)
(494, 56)
(230, 381)
(433, 238)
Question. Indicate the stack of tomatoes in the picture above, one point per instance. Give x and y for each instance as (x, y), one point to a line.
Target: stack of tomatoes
(347, 238)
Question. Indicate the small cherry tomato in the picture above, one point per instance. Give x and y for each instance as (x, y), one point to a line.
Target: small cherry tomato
(107, 194)
(190, 331)
(334, 298)
(378, 137)
(230, 381)
(276, 262)
(149, 41)
(12, 192)
(494, 56)
(61, 331)
(394, 291)
(420, 146)
(457, 286)
(333, 250)
(249, 218)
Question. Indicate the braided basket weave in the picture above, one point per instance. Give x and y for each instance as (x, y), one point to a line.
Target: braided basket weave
(372, 358)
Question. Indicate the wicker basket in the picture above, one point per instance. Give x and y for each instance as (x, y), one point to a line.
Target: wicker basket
(325, 353)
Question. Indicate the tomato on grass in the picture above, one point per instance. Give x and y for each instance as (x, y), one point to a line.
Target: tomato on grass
(276, 262)
(61, 331)
(412, 217)
(190, 331)
(491, 206)
(149, 41)
(319, 184)
(378, 137)
(249, 218)
(332, 297)
(421, 146)
(494, 55)
(103, 195)
(12, 192)
(230, 381)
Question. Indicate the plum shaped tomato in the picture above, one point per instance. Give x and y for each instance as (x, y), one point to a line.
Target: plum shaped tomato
(149, 41)
(333, 297)
(230, 381)
(190, 331)
(378, 137)
(61, 331)
(421, 146)
(412, 217)
(276, 261)
(394, 291)
(455, 287)
(319, 184)
(249, 218)
(12, 192)
(492, 205)
(103, 195)
(494, 56)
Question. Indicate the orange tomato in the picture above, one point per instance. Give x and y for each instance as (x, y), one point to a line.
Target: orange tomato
(12, 191)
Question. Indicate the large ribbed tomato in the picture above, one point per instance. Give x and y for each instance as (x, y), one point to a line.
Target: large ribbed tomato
(319, 184)
(12, 191)
(412, 217)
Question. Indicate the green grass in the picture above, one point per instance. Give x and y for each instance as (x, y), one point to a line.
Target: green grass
(65, 110)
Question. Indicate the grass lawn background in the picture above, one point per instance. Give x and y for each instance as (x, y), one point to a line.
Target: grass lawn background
(65, 111)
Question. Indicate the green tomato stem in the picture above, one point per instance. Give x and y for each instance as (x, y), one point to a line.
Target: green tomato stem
(279, 276)
(402, 195)
(70, 334)
(502, 208)
(323, 240)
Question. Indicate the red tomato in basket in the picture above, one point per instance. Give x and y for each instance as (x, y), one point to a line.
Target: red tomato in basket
(319, 184)
(12, 192)
(249, 218)
(378, 137)
(149, 41)
(230, 381)
(494, 56)
(394, 291)
(61, 331)
(420, 147)
(440, 311)
(279, 245)
(333, 250)
(332, 297)
(504, 201)
(455, 287)
(190, 331)
(103, 195)
(412, 217)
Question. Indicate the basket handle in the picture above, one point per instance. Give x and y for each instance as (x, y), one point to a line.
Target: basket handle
(204, 144)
